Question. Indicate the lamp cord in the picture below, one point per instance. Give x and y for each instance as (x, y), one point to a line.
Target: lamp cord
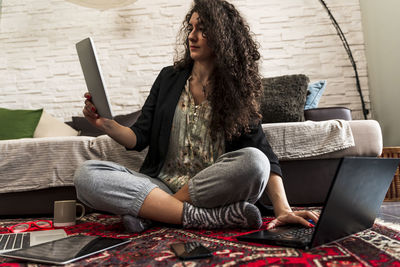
(348, 50)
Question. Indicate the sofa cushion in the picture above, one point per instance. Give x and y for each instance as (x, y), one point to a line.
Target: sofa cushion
(128, 119)
(284, 98)
(314, 93)
(86, 129)
(49, 126)
(17, 124)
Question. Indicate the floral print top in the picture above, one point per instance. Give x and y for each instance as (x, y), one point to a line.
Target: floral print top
(191, 148)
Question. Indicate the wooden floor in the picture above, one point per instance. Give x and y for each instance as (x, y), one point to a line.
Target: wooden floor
(390, 212)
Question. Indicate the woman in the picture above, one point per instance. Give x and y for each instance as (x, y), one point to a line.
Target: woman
(208, 160)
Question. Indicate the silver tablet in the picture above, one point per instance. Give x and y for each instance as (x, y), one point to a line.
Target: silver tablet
(66, 250)
(93, 77)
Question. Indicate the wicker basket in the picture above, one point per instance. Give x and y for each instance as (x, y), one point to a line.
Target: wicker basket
(393, 193)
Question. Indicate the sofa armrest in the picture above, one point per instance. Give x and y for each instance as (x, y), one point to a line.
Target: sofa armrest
(329, 113)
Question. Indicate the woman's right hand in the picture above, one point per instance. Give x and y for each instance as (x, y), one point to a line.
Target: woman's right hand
(90, 113)
(122, 134)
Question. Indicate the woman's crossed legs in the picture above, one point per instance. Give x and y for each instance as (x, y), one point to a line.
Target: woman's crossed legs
(219, 196)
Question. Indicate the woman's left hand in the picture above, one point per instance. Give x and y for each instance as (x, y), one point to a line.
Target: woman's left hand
(295, 217)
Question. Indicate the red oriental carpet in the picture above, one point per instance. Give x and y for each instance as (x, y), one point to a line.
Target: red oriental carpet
(378, 246)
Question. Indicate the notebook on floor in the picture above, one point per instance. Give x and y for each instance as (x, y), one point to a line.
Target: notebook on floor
(354, 199)
(14, 241)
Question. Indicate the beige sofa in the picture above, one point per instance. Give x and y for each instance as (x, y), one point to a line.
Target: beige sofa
(35, 172)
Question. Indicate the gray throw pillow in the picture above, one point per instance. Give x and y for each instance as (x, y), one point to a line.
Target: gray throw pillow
(86, 129)
(284, 98)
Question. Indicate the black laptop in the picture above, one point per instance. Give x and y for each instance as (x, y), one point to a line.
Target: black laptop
(351, 206)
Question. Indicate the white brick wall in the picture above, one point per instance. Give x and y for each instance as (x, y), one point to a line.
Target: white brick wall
(39, 66)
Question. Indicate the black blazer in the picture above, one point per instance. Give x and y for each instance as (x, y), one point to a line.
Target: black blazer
(153, 126)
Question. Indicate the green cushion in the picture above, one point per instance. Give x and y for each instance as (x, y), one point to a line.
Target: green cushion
(16, 124)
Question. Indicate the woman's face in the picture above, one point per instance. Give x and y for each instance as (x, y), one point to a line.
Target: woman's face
(199, 49)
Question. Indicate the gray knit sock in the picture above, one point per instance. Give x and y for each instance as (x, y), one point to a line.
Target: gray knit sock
(240, 214)
(134, 224)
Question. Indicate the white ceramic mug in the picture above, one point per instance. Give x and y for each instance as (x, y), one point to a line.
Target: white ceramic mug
(65, 213)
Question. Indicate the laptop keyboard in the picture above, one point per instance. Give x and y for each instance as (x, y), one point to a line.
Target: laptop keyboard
(298, 233)
(14, 241)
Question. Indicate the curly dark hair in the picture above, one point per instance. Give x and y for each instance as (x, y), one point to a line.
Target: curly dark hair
(236, 80)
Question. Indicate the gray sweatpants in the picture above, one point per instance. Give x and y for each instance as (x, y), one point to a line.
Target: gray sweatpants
(240, 175)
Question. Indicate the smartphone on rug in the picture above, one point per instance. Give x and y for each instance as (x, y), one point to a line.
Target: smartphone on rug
(190, 251)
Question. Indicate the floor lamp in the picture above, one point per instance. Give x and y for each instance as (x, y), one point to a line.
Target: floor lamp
(349, 53)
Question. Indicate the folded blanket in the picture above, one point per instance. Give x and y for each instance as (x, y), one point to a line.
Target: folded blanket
(37, 163)
(296, 140)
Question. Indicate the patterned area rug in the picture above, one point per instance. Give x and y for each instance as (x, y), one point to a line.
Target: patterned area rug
(378, 246)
